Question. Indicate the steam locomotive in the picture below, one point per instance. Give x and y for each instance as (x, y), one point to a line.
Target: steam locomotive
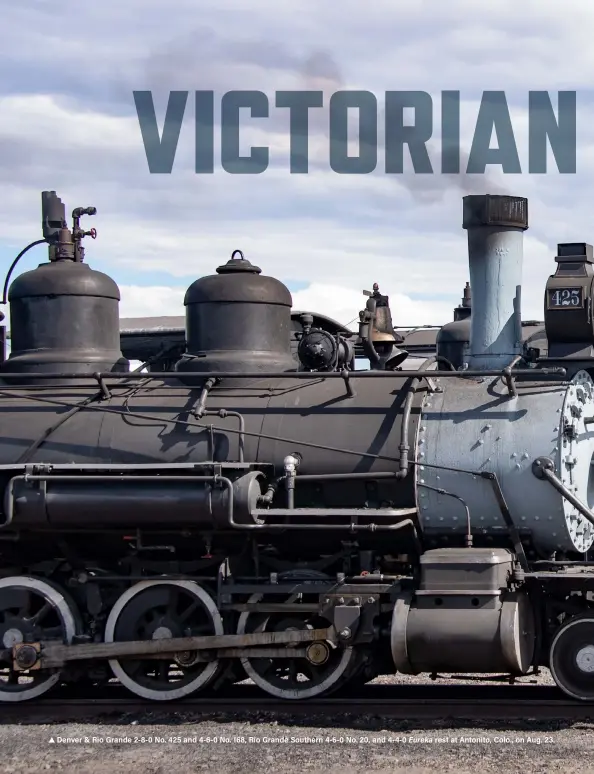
(274, 514)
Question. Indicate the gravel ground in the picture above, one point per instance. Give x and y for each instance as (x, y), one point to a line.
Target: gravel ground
(225, 744)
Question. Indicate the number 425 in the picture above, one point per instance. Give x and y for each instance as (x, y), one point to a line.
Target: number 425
(566, 297)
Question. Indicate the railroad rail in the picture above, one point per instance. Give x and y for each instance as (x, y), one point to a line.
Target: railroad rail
(455, 702)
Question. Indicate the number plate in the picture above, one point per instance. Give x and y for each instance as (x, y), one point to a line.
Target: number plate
(565, 298)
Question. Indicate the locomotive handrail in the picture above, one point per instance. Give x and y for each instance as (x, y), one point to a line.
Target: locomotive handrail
(161, 375)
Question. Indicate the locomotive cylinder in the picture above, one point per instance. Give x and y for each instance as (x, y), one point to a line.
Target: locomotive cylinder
(238, 320)
(495, 227)
(463, 618)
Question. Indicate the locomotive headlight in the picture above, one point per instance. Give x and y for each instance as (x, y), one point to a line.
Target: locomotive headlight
(568, 303)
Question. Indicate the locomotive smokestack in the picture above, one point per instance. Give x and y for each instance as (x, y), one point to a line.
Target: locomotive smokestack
(495, 226)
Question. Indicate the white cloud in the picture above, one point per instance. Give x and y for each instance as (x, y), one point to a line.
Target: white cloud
(155, 301)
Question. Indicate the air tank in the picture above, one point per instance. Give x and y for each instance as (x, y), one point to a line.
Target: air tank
(64, 316)
(238, 320)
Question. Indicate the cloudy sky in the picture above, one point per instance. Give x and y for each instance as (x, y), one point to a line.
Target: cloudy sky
(68, 123)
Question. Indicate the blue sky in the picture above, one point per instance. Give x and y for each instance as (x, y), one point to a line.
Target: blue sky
(68, 123)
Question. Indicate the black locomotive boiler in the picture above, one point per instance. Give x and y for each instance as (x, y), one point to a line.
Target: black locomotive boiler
(305, 524)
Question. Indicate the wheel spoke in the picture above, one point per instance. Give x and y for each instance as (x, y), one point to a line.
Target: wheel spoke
(280, 677)
(293, 670)
(189, 611)
(54, 619)
(40, 614)
(173, 602)
(133, 616)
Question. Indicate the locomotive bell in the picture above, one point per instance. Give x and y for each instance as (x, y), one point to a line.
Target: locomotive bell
(381, 329)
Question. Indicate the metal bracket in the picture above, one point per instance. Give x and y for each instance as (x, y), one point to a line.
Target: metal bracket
(346, 620)
(350, 392)
(507, 377)
(570, 431)
(102, 386)
(544, 469)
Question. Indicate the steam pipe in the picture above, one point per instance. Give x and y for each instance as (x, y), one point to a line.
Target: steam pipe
(495, 226)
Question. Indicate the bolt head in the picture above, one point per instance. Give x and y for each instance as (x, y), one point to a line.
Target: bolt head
(317, 653)
(26, 656)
